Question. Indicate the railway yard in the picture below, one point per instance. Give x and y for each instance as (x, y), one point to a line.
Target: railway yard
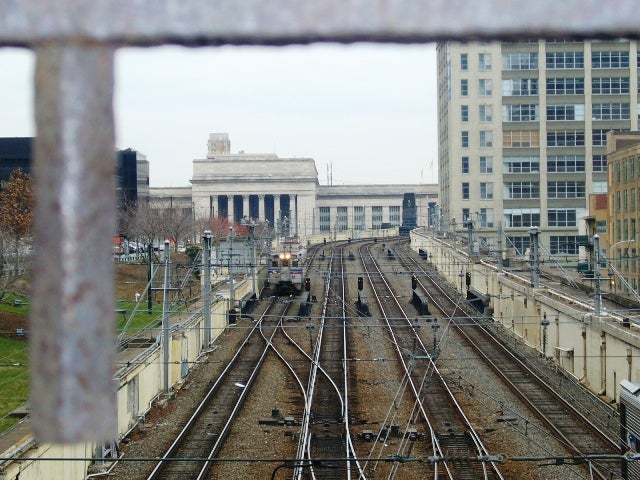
(388, 373)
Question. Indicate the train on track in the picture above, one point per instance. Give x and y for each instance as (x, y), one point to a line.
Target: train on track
(286, 274)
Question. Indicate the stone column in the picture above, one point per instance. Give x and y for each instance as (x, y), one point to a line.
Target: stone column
(230, 213)
(261, 216)
(213, 206)
(245, 207)
(276, 210)
(293, 207)
(368, 220)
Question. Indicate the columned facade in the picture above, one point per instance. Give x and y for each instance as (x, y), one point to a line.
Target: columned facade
(286, 193)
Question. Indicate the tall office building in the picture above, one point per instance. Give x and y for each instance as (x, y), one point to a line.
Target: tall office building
(522, 134)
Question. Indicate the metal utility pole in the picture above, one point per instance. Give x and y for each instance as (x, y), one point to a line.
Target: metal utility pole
(469, 224)
(231, 299)
(254, 280)
(165, 315)
(499, 246)
(206, 287)
(596, 272)
(149, 277)
(534, 257)
(545, 324)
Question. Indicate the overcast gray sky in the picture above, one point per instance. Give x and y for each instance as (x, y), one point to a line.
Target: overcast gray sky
(369, 110)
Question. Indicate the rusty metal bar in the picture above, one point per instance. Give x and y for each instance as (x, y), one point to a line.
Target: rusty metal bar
(197, 22)
(72, 356)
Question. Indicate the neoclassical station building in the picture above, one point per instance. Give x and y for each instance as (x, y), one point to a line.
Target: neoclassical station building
(286, 192)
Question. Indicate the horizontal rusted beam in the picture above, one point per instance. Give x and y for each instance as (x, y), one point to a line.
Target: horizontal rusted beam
(197, 22)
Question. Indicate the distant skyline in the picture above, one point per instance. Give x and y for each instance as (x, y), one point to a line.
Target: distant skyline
(368, 110)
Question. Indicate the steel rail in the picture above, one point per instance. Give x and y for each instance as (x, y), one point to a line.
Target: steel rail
(482, 450)
(437, 451)
(501, 373)
(204, 404)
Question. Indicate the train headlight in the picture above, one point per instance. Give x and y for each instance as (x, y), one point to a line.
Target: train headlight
(287, 256)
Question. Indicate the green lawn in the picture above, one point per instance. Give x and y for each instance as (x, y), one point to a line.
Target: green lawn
(14, 379)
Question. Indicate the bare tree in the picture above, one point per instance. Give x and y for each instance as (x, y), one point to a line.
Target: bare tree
(177, 224)
(16, 220)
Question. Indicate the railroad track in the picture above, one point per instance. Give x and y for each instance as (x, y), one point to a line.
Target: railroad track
(578, 433)
(326, 436)
(451, 434)
(206, 430)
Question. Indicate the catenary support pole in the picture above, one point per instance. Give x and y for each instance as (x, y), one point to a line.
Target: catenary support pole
(165, 315)
(206, 287)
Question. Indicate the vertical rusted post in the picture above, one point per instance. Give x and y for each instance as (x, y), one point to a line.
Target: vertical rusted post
(72, 319)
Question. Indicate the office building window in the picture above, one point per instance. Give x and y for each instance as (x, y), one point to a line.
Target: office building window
(565, 60)
(599, 187)
(485, 87)
(610, 85)
(521, 217)
(567, 189)
(484, 62)
(599, 163)
(565, 138)
(464, 139)
(520, 61)
(465, 164)
(486, 138)
(565, 112)
(565, 86)
(599, 137)
(520, 138)
(565, 163)
(611, 111)
(486, 190)
(485, 113)
(464, 113)
(521, 190)
(520, 113)
(563, 244)
(518, 244)
(519, 87)
(562, 217)
(485, 217)
(464, 87)
(464, 61)
(486, 164)
(465, 190)
(521, 164)
(609, 59)
(601, 226)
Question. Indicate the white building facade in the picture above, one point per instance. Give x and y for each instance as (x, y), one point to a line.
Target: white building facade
(287, 192)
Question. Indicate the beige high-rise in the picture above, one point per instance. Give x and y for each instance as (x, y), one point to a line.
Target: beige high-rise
(522, 134)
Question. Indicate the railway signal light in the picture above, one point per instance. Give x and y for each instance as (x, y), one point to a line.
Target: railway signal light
(468, 279)
(307, 284)
(360, 283)
(414, 282)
